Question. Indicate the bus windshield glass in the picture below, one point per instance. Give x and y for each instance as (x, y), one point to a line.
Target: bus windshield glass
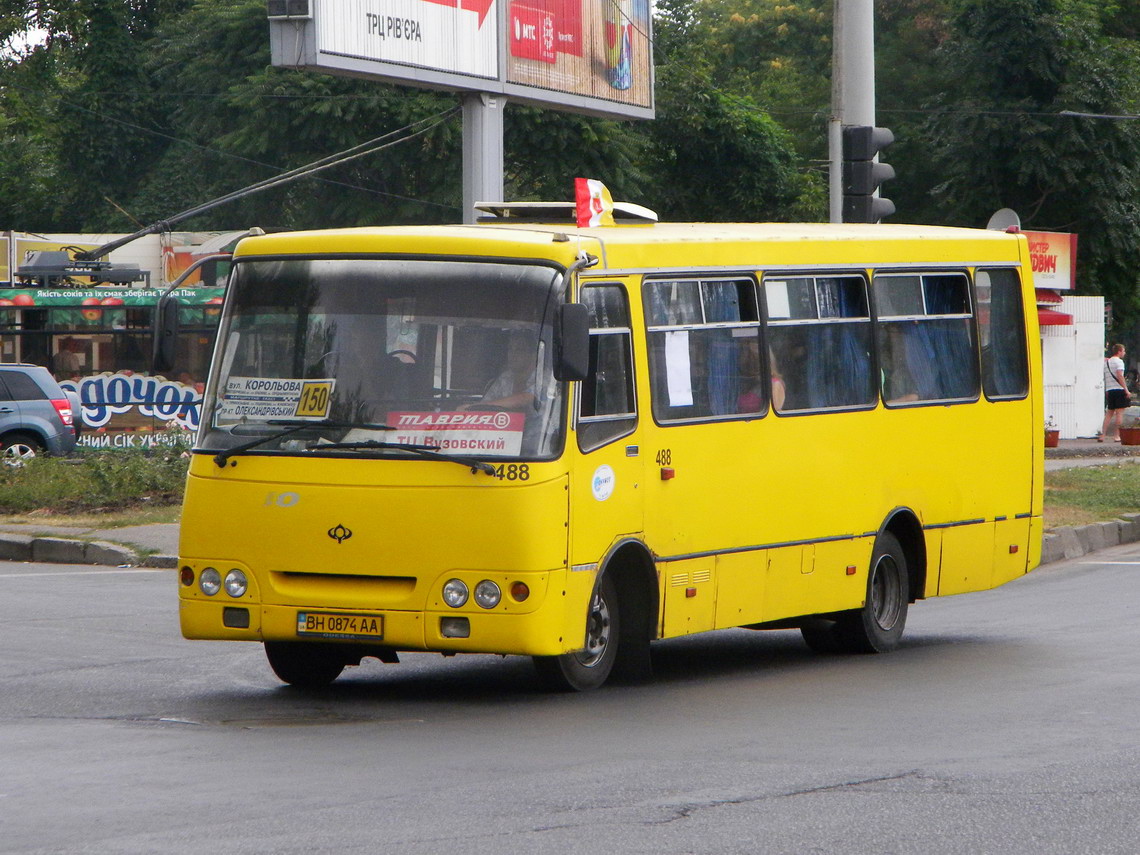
(363, 356)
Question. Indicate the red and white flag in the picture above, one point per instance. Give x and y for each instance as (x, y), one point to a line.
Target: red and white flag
(595, 206)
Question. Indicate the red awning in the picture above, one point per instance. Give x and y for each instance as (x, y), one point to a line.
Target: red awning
(1047, 295)
(1050, 318)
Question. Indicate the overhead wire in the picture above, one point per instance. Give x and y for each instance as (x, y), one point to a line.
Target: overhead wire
(372, 146)
(238, 157)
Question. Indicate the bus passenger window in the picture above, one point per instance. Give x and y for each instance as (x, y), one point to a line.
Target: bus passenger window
(607, 407)
(704, 349)
(819, 332)
(1001, 327)
(925, 338)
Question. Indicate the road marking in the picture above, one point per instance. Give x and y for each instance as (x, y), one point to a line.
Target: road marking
(83, 573)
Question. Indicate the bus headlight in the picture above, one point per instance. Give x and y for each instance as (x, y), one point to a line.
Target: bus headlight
(454, 593)
(487, 594)
(210, 582)
(236, 584)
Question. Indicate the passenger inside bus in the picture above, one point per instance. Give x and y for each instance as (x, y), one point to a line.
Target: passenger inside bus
(751, 400)
(514, 387)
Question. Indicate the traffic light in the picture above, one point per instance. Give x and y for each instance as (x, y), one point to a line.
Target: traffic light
(862, 175)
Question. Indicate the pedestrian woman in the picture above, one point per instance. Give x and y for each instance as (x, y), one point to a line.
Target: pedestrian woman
(1116, 399)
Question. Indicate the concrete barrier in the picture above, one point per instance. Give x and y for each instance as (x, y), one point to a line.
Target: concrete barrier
(1075, 541)
(63, 550)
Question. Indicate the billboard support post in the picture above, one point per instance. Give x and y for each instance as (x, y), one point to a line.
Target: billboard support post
(482, 151)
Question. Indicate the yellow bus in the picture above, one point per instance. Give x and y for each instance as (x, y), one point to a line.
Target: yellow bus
(524, 437)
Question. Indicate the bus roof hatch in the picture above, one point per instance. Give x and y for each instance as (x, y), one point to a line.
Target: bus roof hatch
(558, 213)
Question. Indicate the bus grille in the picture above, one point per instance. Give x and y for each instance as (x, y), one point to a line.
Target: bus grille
(342, 587)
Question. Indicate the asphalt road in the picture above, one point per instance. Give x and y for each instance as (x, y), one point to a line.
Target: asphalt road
(1008, 723)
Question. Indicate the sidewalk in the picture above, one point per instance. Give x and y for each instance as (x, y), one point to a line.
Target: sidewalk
(156, 545)
(1088, 452)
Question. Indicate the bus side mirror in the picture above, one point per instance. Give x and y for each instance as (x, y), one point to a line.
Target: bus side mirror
(164, 349)
(572, 345)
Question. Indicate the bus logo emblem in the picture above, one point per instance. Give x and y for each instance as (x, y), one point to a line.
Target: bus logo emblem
(339, 533)
(603, 483)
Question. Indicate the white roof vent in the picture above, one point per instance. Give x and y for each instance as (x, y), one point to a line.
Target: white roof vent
(557, 213)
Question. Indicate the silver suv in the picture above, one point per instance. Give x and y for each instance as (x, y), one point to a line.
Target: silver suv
(36, 415)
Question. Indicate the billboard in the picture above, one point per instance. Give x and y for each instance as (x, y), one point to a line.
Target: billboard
(596, 49)
(454, 37)
(1054, 259)
(590, 56)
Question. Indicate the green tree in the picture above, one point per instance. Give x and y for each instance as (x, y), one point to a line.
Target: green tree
(1003, 137)
(716, 153)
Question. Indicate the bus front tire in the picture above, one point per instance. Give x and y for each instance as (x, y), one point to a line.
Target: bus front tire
(304, 664)
(877, 627)
(589, 667)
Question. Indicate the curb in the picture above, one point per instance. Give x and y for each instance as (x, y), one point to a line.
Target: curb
(1075, 541)
(61, 550)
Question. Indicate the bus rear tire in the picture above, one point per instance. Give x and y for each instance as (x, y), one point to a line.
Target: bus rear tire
(877, 627)
(304, 664)
(590, 667)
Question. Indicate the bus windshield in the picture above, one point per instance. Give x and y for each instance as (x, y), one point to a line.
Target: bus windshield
(363, 356)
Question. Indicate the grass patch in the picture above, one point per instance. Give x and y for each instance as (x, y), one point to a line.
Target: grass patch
(101, 483)
(1091, 494)
(141, 514)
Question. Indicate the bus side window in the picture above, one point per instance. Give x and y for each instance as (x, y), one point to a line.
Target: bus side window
(606, 404)
(925, 338)
(819, 330)
(1001, 327)
(704, 349)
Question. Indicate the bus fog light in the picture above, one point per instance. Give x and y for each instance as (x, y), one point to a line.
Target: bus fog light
(455, 594)
(455, 627)
(210, 581)
(487, 594)
(236, 584)
(235, 618)
(519, 592)
(187, 576)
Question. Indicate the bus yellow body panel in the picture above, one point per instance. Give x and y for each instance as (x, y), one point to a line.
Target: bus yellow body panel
(391, 549)
(754, 519)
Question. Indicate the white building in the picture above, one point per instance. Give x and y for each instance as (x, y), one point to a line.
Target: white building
(1073, 364)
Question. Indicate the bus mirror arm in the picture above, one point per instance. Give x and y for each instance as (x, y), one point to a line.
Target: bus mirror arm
(572, 344)
(572, 328)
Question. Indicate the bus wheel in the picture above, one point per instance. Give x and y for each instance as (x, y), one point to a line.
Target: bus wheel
(878, 626)
(589, 667)
(304, 664)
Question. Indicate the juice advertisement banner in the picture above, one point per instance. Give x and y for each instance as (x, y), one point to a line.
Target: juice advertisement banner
(596, 48)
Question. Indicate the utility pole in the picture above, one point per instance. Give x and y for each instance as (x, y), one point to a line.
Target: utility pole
(852, 85)
(482, 151)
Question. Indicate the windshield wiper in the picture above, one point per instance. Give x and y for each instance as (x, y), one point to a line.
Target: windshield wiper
(291, 426)
(427, 452)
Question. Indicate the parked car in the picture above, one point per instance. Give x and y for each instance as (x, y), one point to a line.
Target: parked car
(36, 415)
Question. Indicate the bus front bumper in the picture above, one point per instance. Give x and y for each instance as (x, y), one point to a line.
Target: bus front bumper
(537, 633)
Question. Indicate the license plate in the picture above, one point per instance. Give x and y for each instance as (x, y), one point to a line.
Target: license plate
(328, 625)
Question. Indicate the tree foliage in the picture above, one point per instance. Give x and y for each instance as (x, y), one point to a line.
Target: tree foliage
(1022, 121)
(131, 111)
